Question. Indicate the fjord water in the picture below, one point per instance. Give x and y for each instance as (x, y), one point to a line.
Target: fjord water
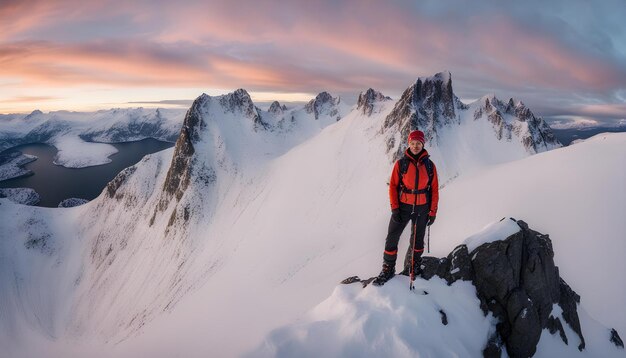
(55, 183)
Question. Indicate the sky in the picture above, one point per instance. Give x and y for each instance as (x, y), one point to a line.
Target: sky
(566, 60)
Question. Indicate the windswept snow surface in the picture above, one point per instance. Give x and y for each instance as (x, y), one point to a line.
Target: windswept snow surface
(492, 232)
(282, 223)
(391, 321)
(388, 321)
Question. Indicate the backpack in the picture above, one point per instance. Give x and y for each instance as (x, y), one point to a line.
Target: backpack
(404, 167)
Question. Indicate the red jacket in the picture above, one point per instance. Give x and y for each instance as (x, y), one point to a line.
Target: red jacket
(409, 182)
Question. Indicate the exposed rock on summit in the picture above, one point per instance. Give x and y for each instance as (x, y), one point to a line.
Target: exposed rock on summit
(517, 281)
(430, 105)
(367, 99)
(240, 101)
(276, 108)
(179, 173)
(324, 103)
(426, 105)
(515, 119)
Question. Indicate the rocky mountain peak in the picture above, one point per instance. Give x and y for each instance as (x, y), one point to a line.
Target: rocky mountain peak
(513, 118)
(510, 105)
(179, 173)
(367, 99)
(427, 104)
(276, 108)
(323, 103)
(33, 114)
(238, 101)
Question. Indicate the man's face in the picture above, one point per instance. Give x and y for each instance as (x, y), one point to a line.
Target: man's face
(415, 146)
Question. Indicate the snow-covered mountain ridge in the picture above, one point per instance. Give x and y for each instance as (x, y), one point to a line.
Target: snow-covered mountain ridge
(431, 105)
(279, 213)
(514, 282)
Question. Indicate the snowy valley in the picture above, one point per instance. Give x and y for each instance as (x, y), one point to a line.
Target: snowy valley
(242, 231)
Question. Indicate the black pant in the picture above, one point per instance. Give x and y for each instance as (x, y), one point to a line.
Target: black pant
(418, 218)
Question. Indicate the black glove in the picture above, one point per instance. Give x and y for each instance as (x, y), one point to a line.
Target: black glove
(395, 215)
(431, 220)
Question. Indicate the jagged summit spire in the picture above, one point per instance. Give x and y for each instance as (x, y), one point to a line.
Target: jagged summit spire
(444, 76)
(427, 104)
(367, 99)
(240, 99)
(321, 102)
(437, 87)
(277, 108)
(514, 118)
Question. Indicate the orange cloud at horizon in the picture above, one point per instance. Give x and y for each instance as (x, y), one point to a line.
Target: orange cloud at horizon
(288, 47)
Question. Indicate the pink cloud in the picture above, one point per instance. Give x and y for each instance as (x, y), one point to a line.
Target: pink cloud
(523, 56)
(301, 46)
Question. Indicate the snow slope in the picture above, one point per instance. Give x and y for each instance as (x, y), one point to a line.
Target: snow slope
(575, 194)
(388, 321)
(271, 227)
(287, 268)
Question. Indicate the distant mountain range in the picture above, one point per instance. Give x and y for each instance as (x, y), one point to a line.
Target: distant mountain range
(254, 216)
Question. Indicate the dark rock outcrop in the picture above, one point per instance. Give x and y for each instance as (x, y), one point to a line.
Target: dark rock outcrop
(555, 325)
(367, 99)
(456, 266)
(72, 202)
(240, 101)
(276, 108)
(615, 339)
(517, 281)
(179, 173)
(536, 135)
(113, 186)
(444, 317)
(323, 103)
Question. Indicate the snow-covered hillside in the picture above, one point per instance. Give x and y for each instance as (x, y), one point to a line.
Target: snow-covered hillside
(246, 224)
(80, 137)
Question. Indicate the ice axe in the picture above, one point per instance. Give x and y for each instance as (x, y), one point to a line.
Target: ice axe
(412, 271)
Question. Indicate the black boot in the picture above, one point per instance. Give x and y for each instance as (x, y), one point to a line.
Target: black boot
(385, 275)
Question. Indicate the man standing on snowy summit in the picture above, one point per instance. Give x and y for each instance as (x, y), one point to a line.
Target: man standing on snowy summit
(414, 195)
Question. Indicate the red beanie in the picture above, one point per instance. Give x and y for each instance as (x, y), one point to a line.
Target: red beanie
(416, 135)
